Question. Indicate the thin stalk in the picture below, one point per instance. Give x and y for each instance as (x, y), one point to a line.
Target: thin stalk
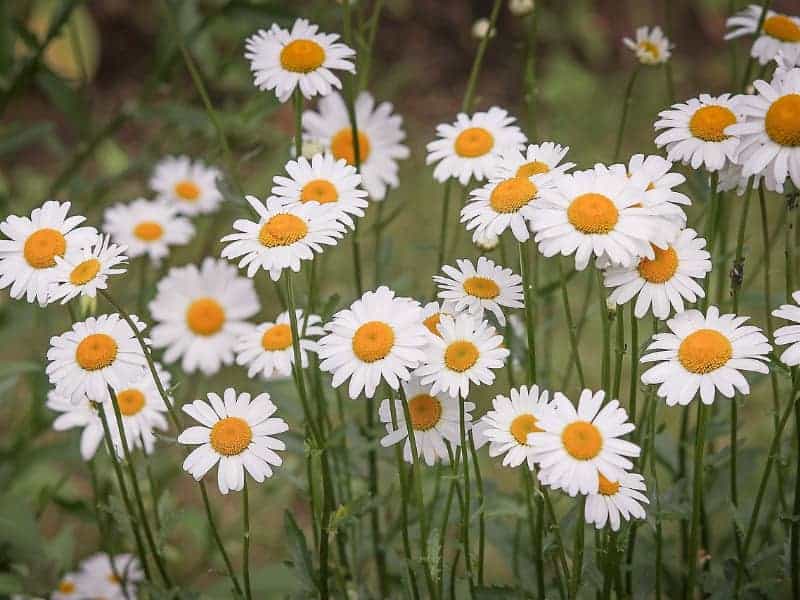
(440, 256)
(697, 494)
(556, 528)
(530, 74)
(535, 528)
(298, 122)
(605, 365)
(633, 386)
(530, 309)
(218, 539)
(659, 532)
(711, 229)
(375, 523)
(454, 458)
(366, 58)
(466, 511)
(105, 538)
(153, 490)
(626, 104)
(577, 549)
(749, 65)
(469, 95)
(248, 594)
(481, 503)
(573, 338)
(619, 351)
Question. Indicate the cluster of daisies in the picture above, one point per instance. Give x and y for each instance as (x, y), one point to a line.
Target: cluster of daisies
(101, 576)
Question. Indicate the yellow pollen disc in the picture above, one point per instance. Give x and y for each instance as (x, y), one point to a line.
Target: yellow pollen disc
(130, 401)
(319, 190)
(231, 436)
(342, 146)
(425, 412)
(432, 323)
(282, 230)
(582, 440)
(709, 122)
(473, 142)
(512, 194)
(187, 190)
(649, 187)
(481, 287)
(302, 56)
(84, 272)
(205, 316)
(373, 341)
(460, 356)
(277, 337)
(782, 28)
(661, 268)
(783, 120)
(532, 168)
(66, 587)
(704, 351)
(42, 247)
(593, 213)
(650, 48)
(113, 579)
(148, 231)
(521, 426)
(607, 487)
(96, 351)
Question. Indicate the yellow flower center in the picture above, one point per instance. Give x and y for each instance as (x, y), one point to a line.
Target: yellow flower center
(130, 401)
(460, 356)
(432, 323)
(205, 316)
(783, 120)
(425, 412)
(582, 440)
(42, 247)
(481, 287)
(521, 426)
(66, 587)
(474, 141)
(607, 487)
(187, 190)
(319, 190)
(661, 268)
(782, 28)
(650, 48)
(96, 351)
(512, 194)
(373, 341)
(148, 231)
(84, 272)
(277, 337)
(231, 436)
(709, 122)
(704, 351)
(532, 168)
(593, 213)
(302, 56)
(282, 230)
(342, 146)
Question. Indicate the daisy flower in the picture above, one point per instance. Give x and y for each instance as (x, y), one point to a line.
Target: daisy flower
(508, 424)
(466, 351)
(104, 579)
(731, 178)
(770, 132)
(70, 587)
(201, 313)
(96, 353)
(537, 159)
(655, 172)
(380, 138)
(380, 337)
(432, 313)
(485, 242)
(85, 270)
(238, 433)
(331, 183)
(83, 415)
(283, 60)
(147, 228)
(282, 237)
(614, 499)
(191, 187)
(651, 46)
(475, 288)
(28, 256)
(696, 131)
(267, 350)
(789, 334)
(142, 409)
(575, 447)
(705, 354)
(666, 280)
(471, 147)
(780, 34)
(434, 420)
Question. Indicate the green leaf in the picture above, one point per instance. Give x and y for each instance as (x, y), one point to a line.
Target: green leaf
(300, 556)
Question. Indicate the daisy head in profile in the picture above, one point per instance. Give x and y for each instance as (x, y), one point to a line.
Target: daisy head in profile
(432, 313)
(789, 335)
(616, 501)
(705, 354)
(533, 161)
(650, 45)
(779, 34)
(302, 58)
(189, 186)
(85, 270)
(655, 173)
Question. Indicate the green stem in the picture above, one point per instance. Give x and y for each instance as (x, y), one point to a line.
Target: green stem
(454, 458)
(218, 539)
(619, 351)
(712, 228)
(530, 73)
(298, 123)
(633, 387)
(375, 523)
(530, 310)
(573, 336)
(469, 95)
(246, 542)
(102, 526)
(626, 103)
(535, 526)
(481, 503)
(467, 510)
(440, 256)
(697, 494)
(577, 549)
(605, 365)
(749, 66)
(659, 533)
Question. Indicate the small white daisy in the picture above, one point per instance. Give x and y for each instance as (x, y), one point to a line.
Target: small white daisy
(705, 354)
(434, 420)
(651, 46)
(471, 147)
(780, 34)
(466, 351)
(238, 433)
(147, 228)
(201, 313)
(266, 349)
(380, 138)
(380, 337)
(282, 60)
(70, 587)
(142, 409)
(789, 334)
(616, 500)
(476, 288)
(191, 187)
(282, 237)
(575, 447)
(432, 313)
(696, 131)
(537, 159)
(656, 174)
(85, 270)
(103, 580)
(28, 256)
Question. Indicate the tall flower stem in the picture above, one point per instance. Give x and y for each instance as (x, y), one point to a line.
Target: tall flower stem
(440, 256)
(535, 526)
(453, 488)
(530, 74)
(246, 542)
(573, 334)
(577, 550)
(749, 65)
(712, 223)
(469, 95)
(619, 352)
(605, 365)
(466, 511)
(529, 295)
(626, 103)
(218, 539)
(697, 495)
(375, 523)
(481, 503)
(633, 386)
